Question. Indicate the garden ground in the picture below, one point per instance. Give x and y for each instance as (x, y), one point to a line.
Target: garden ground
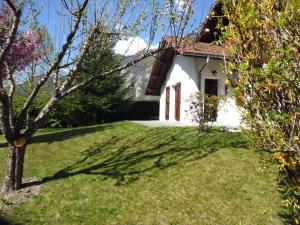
(125, 173)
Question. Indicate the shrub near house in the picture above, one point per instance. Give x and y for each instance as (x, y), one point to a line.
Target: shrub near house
(203, 110)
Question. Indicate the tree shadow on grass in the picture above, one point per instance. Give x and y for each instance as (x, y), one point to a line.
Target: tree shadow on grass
(65, 134)
(126, 159)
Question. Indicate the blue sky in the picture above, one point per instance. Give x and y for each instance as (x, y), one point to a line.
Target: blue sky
(49, 17)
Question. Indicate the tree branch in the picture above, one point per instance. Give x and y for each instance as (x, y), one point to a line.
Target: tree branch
(66, 65)
(12, 32)
(117, 69)
(54, 66)
(39, 120)
(10, 96)
(72, 74)
(11, 5)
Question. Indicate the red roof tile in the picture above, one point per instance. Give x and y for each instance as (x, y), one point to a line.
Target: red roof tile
(192, 47)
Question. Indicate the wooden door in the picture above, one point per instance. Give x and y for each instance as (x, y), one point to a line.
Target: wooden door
(167, 109)
(177, 101)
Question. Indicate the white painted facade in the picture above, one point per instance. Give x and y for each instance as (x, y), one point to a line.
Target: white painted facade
(137, 77)
(186, 70)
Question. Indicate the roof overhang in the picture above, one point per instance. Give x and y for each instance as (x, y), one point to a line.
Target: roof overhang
(208, 31)
(204, 56)
(164, 60)
(161, 66)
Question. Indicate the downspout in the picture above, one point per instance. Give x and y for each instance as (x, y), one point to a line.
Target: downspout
(200, 75)
(201, 70)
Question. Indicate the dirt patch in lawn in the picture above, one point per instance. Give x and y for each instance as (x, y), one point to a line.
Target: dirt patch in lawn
(31, 187)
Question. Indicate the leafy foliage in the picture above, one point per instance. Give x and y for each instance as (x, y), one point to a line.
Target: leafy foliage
(24, 50)
(203, 109)
(263, 39)
(36, 106)
(100, 100)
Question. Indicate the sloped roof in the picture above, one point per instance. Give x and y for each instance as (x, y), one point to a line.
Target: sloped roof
(193, 47)
(174, 46)
(208, 31)
(160, 69)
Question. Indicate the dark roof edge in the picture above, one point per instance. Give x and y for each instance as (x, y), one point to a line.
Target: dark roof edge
(166, 58)
(203, 55)
(212, 8)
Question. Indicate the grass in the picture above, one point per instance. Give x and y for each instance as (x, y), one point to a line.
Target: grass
(124, 173)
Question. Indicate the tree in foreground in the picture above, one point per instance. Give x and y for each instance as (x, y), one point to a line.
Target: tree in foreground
(81, 24)
(263, 40)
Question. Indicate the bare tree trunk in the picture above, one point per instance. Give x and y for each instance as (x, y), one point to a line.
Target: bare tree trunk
(15, 168)
(20, 154)
(9, 182)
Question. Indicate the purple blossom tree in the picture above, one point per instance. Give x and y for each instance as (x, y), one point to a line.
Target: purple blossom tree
(24, 49)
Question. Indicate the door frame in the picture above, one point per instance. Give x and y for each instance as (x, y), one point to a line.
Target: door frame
(167, 103)
(177, 88)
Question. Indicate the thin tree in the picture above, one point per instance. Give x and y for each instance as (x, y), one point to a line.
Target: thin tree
(79, 20)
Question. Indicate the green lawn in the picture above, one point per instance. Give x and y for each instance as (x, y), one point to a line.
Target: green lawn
(124, 173)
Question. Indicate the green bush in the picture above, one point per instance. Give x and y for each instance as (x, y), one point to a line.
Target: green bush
(263, 41)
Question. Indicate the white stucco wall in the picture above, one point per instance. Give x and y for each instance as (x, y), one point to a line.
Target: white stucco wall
(137, 78)
(186, 71)
(183, 70)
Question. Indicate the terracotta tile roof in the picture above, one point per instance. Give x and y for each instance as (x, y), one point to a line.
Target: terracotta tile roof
(192, 47)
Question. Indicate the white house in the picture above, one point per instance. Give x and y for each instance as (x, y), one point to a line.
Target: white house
(190, 65)
(137, 77)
